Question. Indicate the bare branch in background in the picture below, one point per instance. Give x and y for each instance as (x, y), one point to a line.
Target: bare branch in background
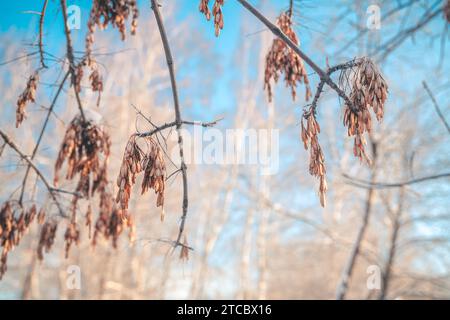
(381, 185)
(41, 134)
(71, 58)
(41, 31)
(436, 106)
(49, 187)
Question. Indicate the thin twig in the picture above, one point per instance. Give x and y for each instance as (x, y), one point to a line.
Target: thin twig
(382, 185)
(41, 134)
(71, 58)
(436, 106)
(50, 188)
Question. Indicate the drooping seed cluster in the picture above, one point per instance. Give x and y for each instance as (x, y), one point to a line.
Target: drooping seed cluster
(136, 160)
(203, 7)
(155, 172)
(71, 236)
(28, 95)
(111, 222)
(283, 60)
(309, 135)
(216, 12)
(47, 238)
(86, 148)
(14, 223)
(95, 78)
(368, 90)
(114, 12)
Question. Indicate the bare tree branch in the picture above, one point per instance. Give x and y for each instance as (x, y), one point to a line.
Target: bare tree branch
(41, 134)
(380, 185)
(324, 76)
(436, 106)
(178, 120)
(41, 30)
(71, 58)
(49, 187)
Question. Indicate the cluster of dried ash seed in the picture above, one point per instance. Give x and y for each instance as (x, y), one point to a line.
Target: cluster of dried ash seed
(135, 160)
(282, 59)
(14, 223)
(310, 139)
(216, 12)
(368, 90)
(114, 12)
(28, 95)
(86, 148)
(47, 237)
(111, 221)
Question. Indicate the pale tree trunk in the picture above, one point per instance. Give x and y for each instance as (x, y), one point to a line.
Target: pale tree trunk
(387, 270)
(245, 257)
(349, 267)
(29, 286)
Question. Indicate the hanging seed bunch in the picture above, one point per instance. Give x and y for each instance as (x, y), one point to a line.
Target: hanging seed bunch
(155, 172)
(136, 160)
(84, 145)
(14, 223)
(368, 90)
(71, 236)
(216, 12)
(88, 220)
(203, 7)
(114, 12)
(46, 238)
(96, 81)
(309, 135)
(110, 222)
(283, 60)
(95, 78)
(28, 95)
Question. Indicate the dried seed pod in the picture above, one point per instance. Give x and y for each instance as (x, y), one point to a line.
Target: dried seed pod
(41, 216)
(47, 238)
(203, 7)
(96, 81)
(216, 12)
(88, 218)
(71, 236)
(155, 172)
(28, 95)
(283, 60)
(131, 165)
(218, 16)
